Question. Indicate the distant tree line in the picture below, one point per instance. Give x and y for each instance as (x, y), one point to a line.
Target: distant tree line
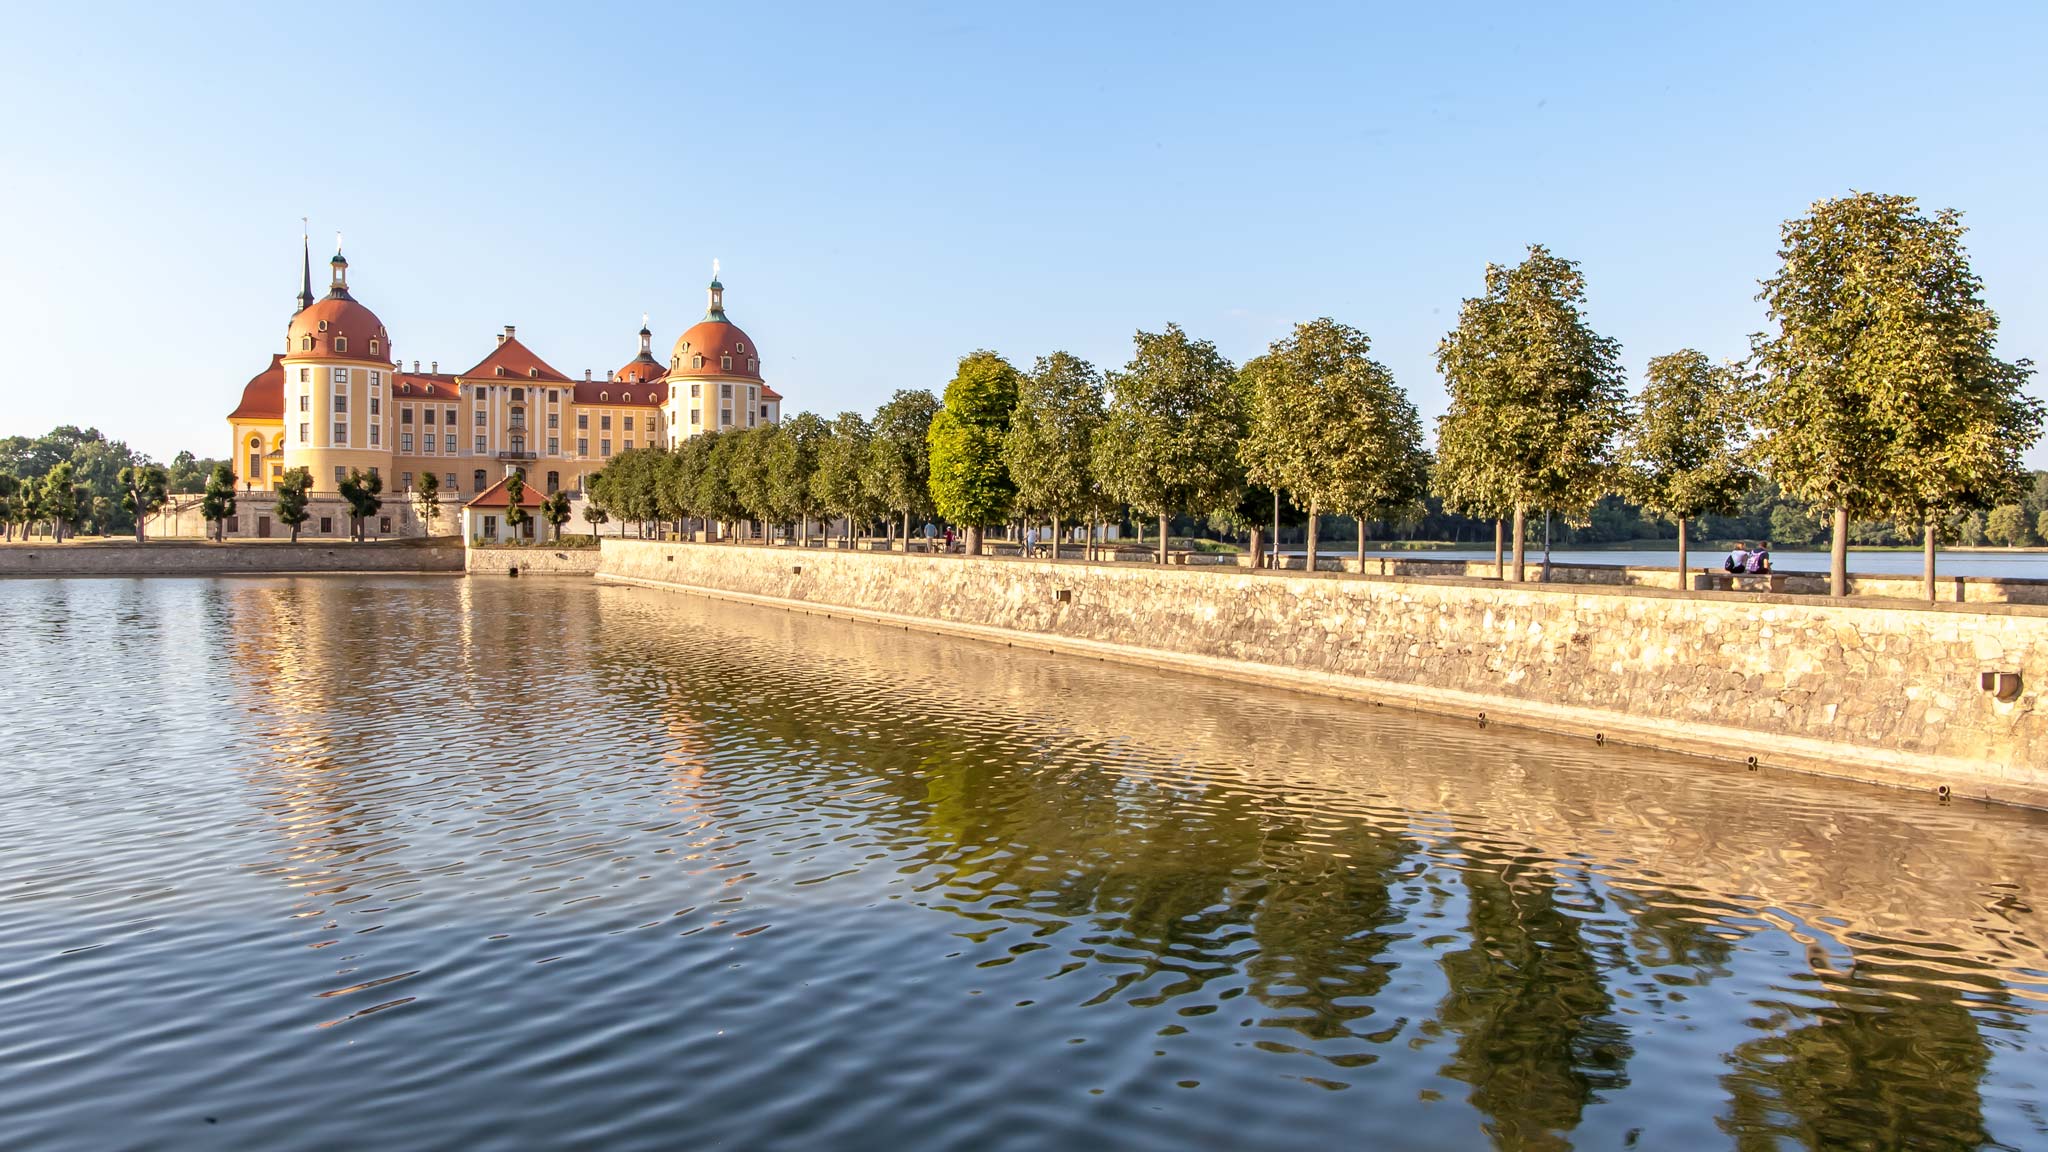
(75, 480)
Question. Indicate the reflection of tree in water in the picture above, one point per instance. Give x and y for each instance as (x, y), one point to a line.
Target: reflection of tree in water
(1536, 1035)
(1881, 1065)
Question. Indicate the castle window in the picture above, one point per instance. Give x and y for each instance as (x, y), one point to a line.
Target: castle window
(376, 380)
(553, 396)
(725, 363)
(404, 484)
(479, 417)
(725, 391)
(341, 343)
(405, 442)
(305, 433)
(373, 345)
(478, 478)
(739, 346)
(405, 388)
(305, 345)
(753, 365)
(450, 483)
(305, 401)
(582, 446)
(533, 372)
(604, 422)
(554, 419)
(501, 369)
(694, 414)
(305, 375)
(341, 401)
(323, 325)
(519, 393)
(340, 376)
(627, 398)
(376, 431)
(604, 396)
(604, 447)
(340, 432)
(629, 420)
(697, 361)
(694, 388)
(582, 421)
(376, 406)
(480, 449)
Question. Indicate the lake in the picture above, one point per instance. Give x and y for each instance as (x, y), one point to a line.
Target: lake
(396, 863)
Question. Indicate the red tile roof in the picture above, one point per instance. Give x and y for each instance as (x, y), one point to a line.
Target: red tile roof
(617, 391)
(518, 362)
(338, 316)
(495, 497)
(714, 340)
(263, 395)
(424, 386)
(768, 393)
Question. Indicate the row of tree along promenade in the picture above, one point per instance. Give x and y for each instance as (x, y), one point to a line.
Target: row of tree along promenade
(1875, 392)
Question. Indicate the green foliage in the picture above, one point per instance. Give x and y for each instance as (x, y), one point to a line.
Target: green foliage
(1536, 396)
(555, 510)
(2007, 526)
(60, 498)
(1792, 524)
(1881, 393)
(795, 461)
(595, 508)
(293, 489)
(361, 491)
(1684, 456)
(898, 468)
(1049, 448)
(839, 486)
(145, 488)
(969, 484)
(1328, 426)
(218, 503)
(1169, 442)
(745, 461)
(516, 515)
(426, 500)
(188, 473)
(716, 497)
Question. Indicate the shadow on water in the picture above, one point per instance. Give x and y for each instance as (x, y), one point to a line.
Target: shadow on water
(608, 864)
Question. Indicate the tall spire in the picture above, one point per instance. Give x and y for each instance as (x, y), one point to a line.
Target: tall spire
(646, 339)
(306, 243)
(717, 309)
(337, 287)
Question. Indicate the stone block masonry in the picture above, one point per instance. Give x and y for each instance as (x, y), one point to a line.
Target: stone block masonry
(1883, 692)
(539, 558)
(245, 558)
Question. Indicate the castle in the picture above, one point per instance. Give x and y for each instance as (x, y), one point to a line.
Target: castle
(338, 399)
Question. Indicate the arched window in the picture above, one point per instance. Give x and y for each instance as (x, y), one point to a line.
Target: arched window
(604, 396)
(373, 345)
(501, 370)
(341, 343)
(533, 372)
(305, 343)
(697, 361)
(626, 399)
(725, 363)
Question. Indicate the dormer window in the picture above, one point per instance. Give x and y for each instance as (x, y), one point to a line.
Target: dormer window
(341, 343)
(753, 365)
(405, 388)
(604, 396)
(500, 369)
(740, 346)
(697, 361)
(323, 325)
(373, 345)
(305, 343)
(725, 363)
(533, 372)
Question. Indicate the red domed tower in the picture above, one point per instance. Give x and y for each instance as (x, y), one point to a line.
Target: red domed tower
(714, 375)
(337, 367)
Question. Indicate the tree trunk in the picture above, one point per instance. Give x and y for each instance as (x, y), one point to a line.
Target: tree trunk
(1308, 561)
(1684, 580)
(906, 531)
(1361, 542)
(1276, 528)
(1162, 537)
(974, 540)
(1055, 537)
(1499, 531)
(1521, 573)
(1258, 545)
(1927, 560)
(1838, 555)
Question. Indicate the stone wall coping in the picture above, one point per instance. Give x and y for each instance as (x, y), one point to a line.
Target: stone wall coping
(1127, 567)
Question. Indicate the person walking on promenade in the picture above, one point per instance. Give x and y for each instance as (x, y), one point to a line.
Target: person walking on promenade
(949, 539)
(929, 532)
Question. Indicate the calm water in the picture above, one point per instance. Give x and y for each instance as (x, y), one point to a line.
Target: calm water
(409, 863)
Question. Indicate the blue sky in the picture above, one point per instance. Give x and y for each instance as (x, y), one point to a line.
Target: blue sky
(890, 189)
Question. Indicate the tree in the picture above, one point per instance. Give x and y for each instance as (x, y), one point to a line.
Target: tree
(60, 499)
(10, 504)
(1536, 396)
(1684, 458)
(293, 488)
(145, 488)
(1881, 393)
(1328, 425)
(516, 515)
(717, 499)
(747, 466)
(1791, 524)
(360, 491)
(2007, 526)
(1049, 447)
(1169, 441)
(795, 461)
(555, 510)
(594, 510)
(838, 487)
(188, 473)
(898, 468)
(969, 484)
(426, 500)
(218, 503)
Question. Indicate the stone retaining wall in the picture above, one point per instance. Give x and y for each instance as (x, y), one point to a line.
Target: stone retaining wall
(581, 561)
(1887, 692)
(194, 558)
